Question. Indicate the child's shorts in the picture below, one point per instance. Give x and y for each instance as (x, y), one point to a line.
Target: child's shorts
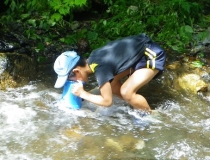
(154, 58)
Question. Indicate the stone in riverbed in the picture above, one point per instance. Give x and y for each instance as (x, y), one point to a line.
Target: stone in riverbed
(16, 70)
(192, 82)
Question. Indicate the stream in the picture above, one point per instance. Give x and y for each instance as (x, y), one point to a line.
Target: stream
(32, 128)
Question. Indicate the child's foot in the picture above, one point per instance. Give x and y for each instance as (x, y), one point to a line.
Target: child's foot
(143, 118)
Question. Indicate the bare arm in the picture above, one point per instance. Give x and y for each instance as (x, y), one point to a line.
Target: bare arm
(104, 99)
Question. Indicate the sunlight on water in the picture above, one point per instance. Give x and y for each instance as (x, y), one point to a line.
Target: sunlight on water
(33, 128)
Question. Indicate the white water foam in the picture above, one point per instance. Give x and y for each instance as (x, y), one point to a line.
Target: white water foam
(17, 130)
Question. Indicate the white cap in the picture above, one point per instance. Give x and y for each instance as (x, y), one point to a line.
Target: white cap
(63, 66)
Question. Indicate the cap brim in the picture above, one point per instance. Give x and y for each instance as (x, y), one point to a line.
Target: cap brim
(60, 81)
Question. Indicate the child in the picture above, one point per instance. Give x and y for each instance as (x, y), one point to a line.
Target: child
(136, 57)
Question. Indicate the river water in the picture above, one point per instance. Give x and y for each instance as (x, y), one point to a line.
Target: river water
(33, 128)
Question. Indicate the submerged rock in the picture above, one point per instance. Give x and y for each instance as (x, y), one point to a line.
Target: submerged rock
(140, 145)
(130, 142)
(73, 133)
(114, 145)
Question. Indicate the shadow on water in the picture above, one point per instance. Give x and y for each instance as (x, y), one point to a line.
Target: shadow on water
(33, 129)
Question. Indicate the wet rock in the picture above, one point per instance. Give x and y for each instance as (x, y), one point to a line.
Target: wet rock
(95, 91)
(140, 145)
(192, 82)
(174, 65)
(197, 49)
(6, 47)
(207, 39)
(23, 41)
(91, 145)
(205, 76)
(114, 145)
(16, 42)
(205, 95)
(16, 70)
(125, 142)
(131, 143)
(73, 133)
(203, 73)
(83, 46)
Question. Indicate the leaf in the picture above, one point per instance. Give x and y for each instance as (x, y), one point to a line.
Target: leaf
(185, 6)
(92, 35)
(68, 3)
(188, 29)
(55, 4)
(41, 58)
(80, 2)
(51, 22)
(40, 46)
(202, 35)
(24, 16)
(34, 2)
(13, 5)
(6, 2)
(56, 17)
(197, 64)
(104, 22)
(62, 39)
(32, 22)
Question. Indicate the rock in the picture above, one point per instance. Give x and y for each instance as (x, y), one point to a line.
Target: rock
(6, 47)
(192, 82)
(16, 70)
(114, 145)
(140, 145)
(73, 133)
(91, 146)
(83, 46)
(206, 41)
(205, 95)
(95, 91)
(174, 65)
(197, 49)
(131, 143)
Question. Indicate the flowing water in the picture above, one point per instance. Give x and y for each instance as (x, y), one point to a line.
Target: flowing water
(32, 128)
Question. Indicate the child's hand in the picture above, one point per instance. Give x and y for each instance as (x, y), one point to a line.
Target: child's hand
(77, 88)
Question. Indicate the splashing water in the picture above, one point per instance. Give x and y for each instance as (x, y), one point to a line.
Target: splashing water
(33, 128)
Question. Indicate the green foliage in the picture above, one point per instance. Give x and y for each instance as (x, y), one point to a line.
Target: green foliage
(197, 64)
(31, 34)
(42, 15)
(73, 38)
(92, 35)
(48, 11)
(169, 22)
(63, 7)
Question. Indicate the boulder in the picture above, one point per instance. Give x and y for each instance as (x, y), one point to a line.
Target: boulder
(16, 70)
(192, 82)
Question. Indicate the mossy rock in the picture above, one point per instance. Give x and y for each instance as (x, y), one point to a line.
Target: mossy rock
(192, 82)
(16, 70)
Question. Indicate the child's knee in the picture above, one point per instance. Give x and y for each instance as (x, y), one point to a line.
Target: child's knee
(126, 95)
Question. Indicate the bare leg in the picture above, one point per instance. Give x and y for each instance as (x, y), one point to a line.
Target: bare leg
(116, 83)
(138, 79)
